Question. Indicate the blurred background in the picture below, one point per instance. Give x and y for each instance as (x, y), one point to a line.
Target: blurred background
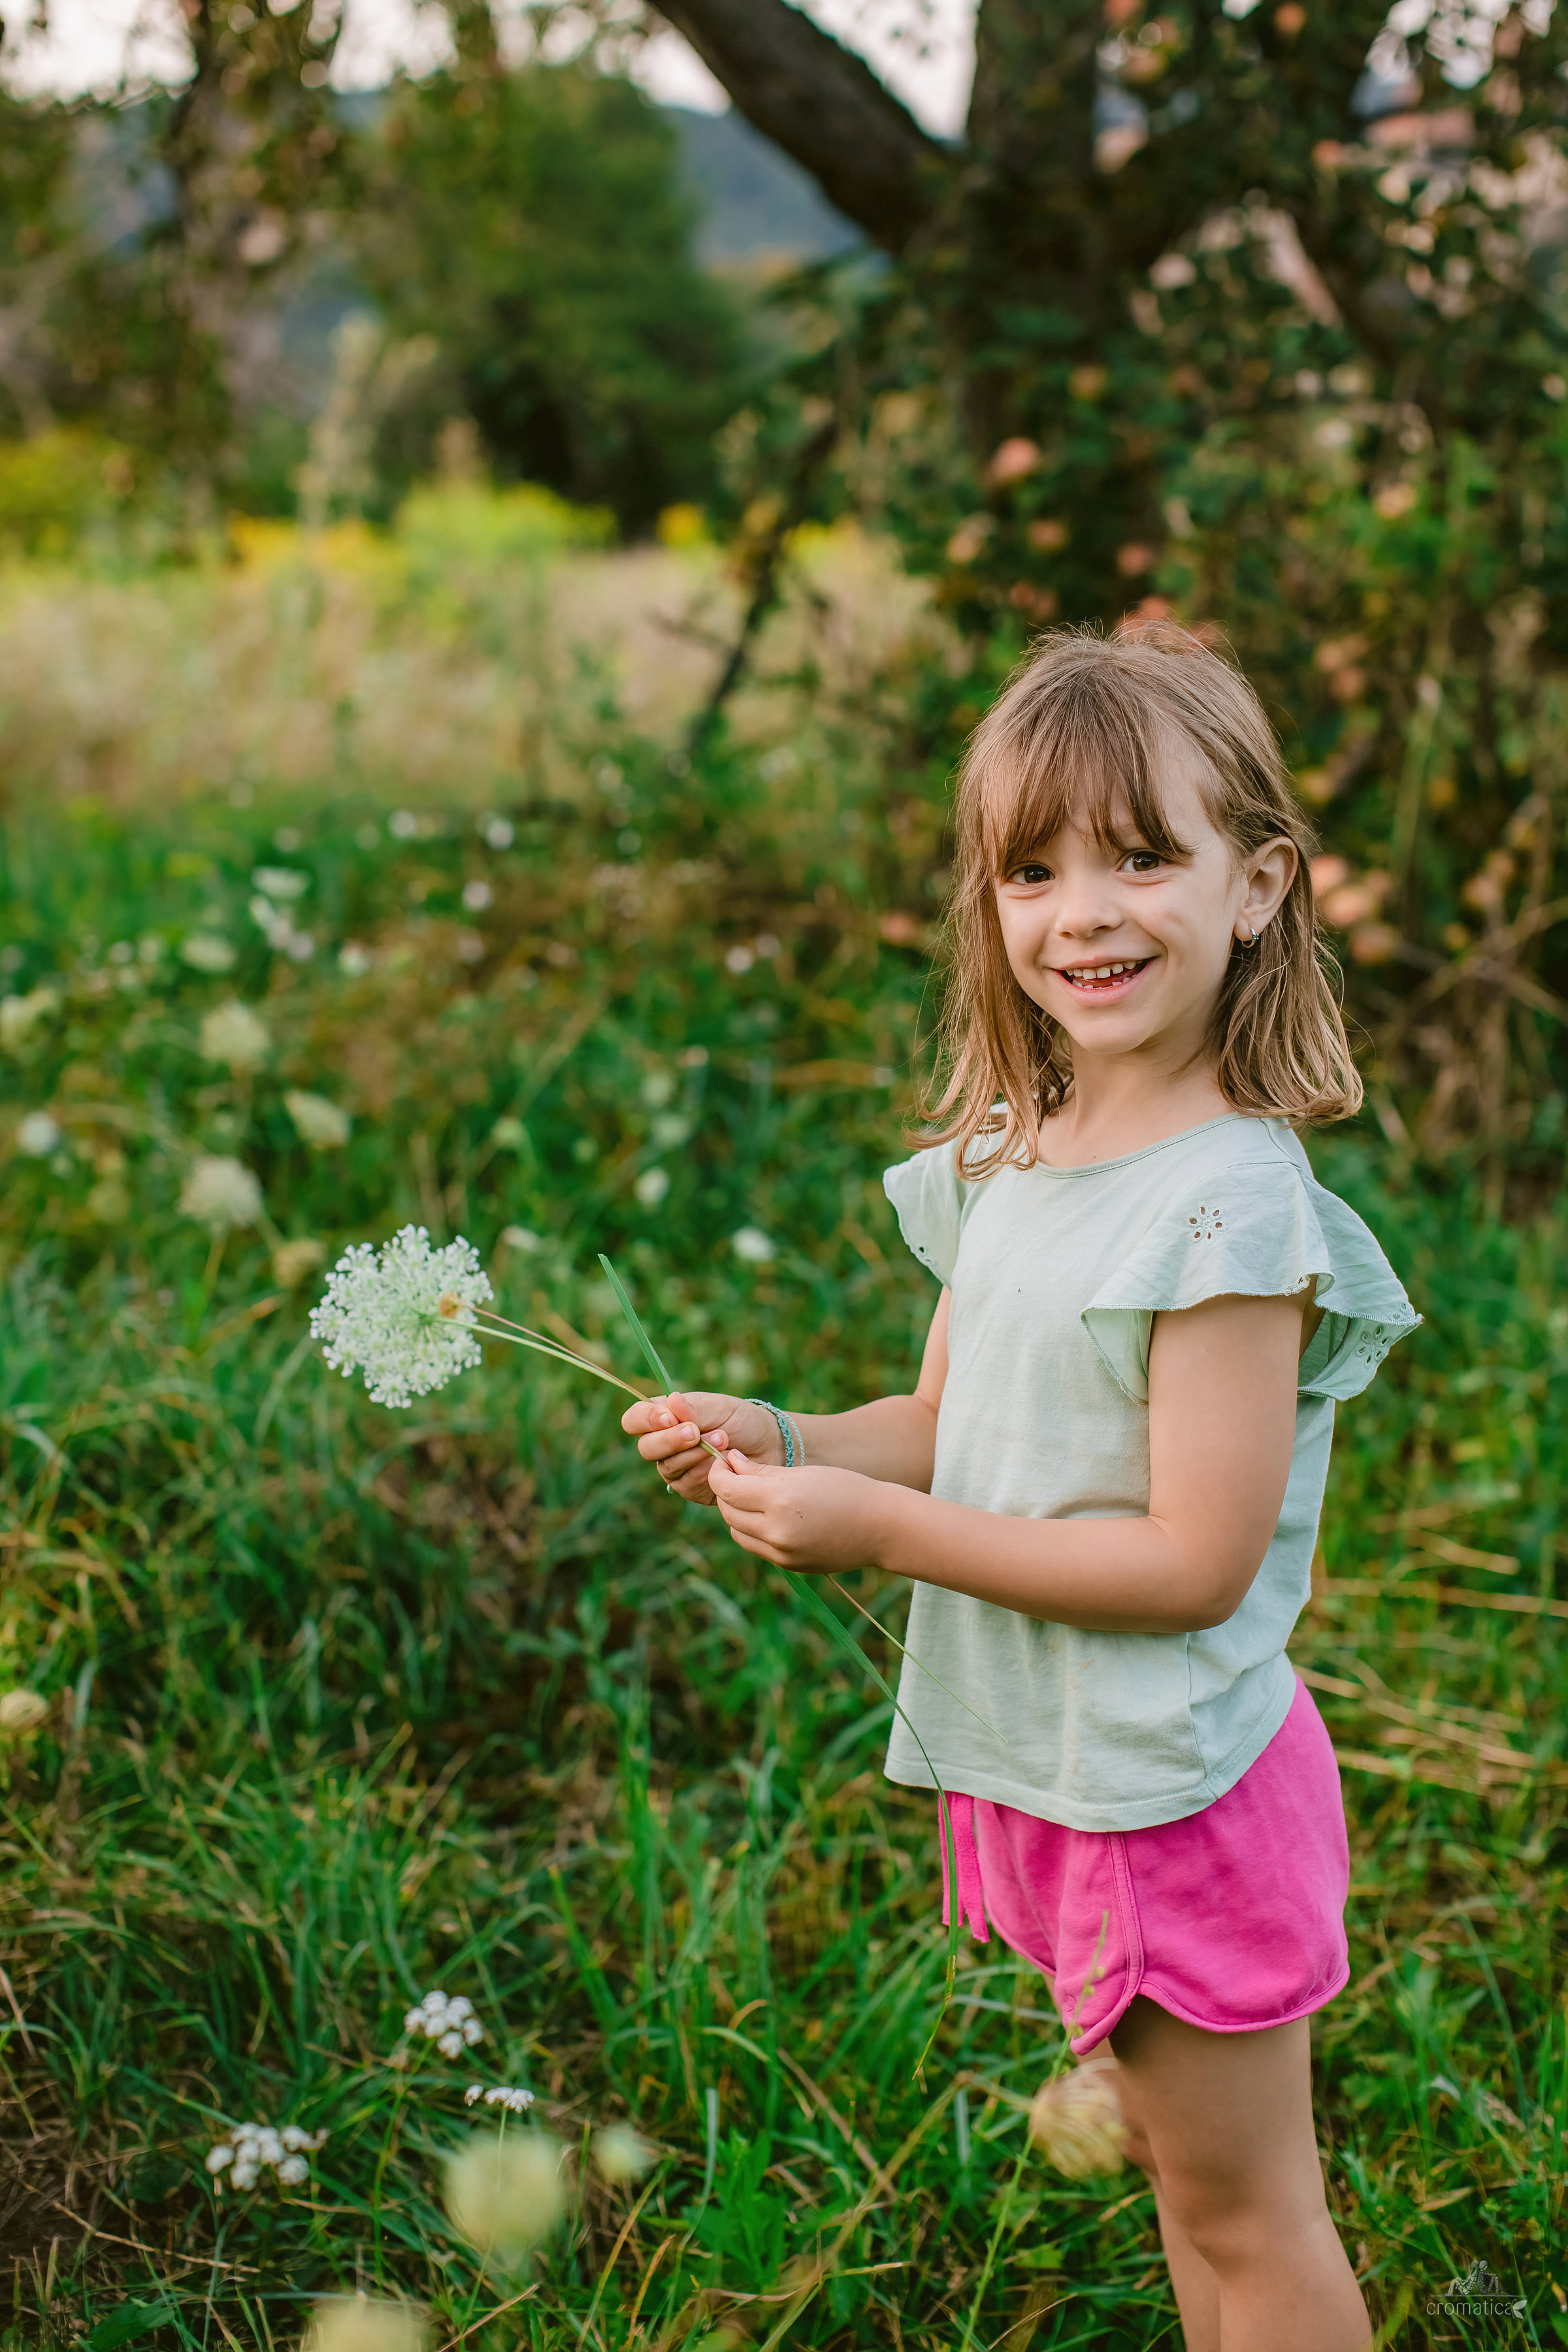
(507, 517)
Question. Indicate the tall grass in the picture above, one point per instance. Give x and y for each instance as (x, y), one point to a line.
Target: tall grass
(344, 1705)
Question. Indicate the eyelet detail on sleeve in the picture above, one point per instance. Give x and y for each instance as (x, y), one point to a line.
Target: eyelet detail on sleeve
(1207, 1224)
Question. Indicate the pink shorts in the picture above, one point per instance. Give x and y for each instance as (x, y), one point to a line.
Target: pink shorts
(1232, 1919)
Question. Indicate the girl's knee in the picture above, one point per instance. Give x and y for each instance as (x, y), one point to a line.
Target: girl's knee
(1235, 2222)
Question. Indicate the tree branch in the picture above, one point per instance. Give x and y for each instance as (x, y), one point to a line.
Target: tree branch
(823, 106)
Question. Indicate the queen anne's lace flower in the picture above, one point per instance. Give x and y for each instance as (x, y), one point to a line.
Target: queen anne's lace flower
(382, 1313)
(251, 2148)
(232, 1033)
(451, 2025)
(220, 1192)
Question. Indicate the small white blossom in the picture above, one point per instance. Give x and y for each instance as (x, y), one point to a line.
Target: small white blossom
(451, 2025)
(355, 959)
(207, 951)
(37, 1134)
(321, 1124)
(232, 1033)
(220, 1192)
(497, 831)
(752, 1246)
(280, 882)
(381, 1314)
(476, 896)
(652, 1187)
(510, 2095)
(252, 2149)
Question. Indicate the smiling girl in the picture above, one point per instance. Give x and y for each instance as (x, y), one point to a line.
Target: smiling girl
(1106, 1485)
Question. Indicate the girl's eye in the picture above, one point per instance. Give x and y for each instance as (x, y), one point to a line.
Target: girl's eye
(1030, 874)
(1142, 861)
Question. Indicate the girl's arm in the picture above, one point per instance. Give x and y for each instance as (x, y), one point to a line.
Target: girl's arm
(892, 1439)
(1222, 1418)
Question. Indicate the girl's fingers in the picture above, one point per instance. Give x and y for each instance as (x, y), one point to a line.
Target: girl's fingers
(677, 1437)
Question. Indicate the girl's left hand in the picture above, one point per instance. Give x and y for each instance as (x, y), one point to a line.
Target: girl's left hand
(816, 1519)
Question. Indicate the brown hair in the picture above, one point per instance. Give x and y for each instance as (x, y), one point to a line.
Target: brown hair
(1079, 732)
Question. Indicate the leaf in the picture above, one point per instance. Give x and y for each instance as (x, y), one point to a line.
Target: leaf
(132, 2319)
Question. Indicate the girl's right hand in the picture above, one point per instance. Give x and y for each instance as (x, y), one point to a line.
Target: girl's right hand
(666, 1429)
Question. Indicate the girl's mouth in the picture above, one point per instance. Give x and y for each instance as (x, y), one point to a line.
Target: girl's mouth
(1103, 979)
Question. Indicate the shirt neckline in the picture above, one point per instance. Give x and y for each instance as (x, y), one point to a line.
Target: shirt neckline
(1144, 1152)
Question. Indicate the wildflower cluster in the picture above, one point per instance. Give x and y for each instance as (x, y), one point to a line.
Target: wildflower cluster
(252, 2148)
(451, 2025)
(221, 1192)
(510, 2095)
(391, 1314)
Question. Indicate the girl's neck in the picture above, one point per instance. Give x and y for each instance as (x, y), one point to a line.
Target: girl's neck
(1117, 1108)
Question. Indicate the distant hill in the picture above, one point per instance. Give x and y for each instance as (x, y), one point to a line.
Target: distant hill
(756, 205)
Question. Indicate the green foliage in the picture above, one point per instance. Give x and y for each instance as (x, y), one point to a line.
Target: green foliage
(533, 224)
(345, 1703)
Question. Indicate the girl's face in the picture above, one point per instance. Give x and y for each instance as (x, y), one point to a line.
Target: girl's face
(1127, 950)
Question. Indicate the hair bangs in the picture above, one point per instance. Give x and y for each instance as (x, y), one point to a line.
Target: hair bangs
(1088, 758)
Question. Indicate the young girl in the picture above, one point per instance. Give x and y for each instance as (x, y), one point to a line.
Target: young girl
(1106, 1485)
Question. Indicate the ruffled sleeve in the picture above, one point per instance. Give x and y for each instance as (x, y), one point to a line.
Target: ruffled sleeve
(927, 1197)
(1258, 1230)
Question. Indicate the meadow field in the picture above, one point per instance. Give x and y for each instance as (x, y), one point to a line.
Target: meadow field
(355, 880)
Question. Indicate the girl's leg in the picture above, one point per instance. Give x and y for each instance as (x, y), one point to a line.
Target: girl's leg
(1223, 2124)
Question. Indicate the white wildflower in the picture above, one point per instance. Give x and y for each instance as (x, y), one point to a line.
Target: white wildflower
(752, 1246)
(280, 882)
(232, 1033)
(20, 1015)
(251, 2149)
(652, 1187)
(451, 2025)
(221, 1193)
(510, 2095)
(321, 1124)
(37, 1134)
(506, 2194)
(622, 2155)
(361, 2322)
(519, 1237)
(23, 1710)
(476, 896)
(403, 825)
(500, 832)
(207, 951)
(382, 1313)
(355, 959)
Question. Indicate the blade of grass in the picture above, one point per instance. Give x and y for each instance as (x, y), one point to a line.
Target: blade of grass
(655, 1360)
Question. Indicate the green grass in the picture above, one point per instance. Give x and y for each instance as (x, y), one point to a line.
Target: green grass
(345, 1703)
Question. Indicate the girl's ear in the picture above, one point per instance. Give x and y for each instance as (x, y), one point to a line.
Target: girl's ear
(1269, 874)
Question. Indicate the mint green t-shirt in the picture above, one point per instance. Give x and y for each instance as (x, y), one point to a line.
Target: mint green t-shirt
(1056, 1277)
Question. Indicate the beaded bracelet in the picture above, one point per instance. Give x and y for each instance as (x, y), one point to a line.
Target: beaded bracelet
(793, 1445)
